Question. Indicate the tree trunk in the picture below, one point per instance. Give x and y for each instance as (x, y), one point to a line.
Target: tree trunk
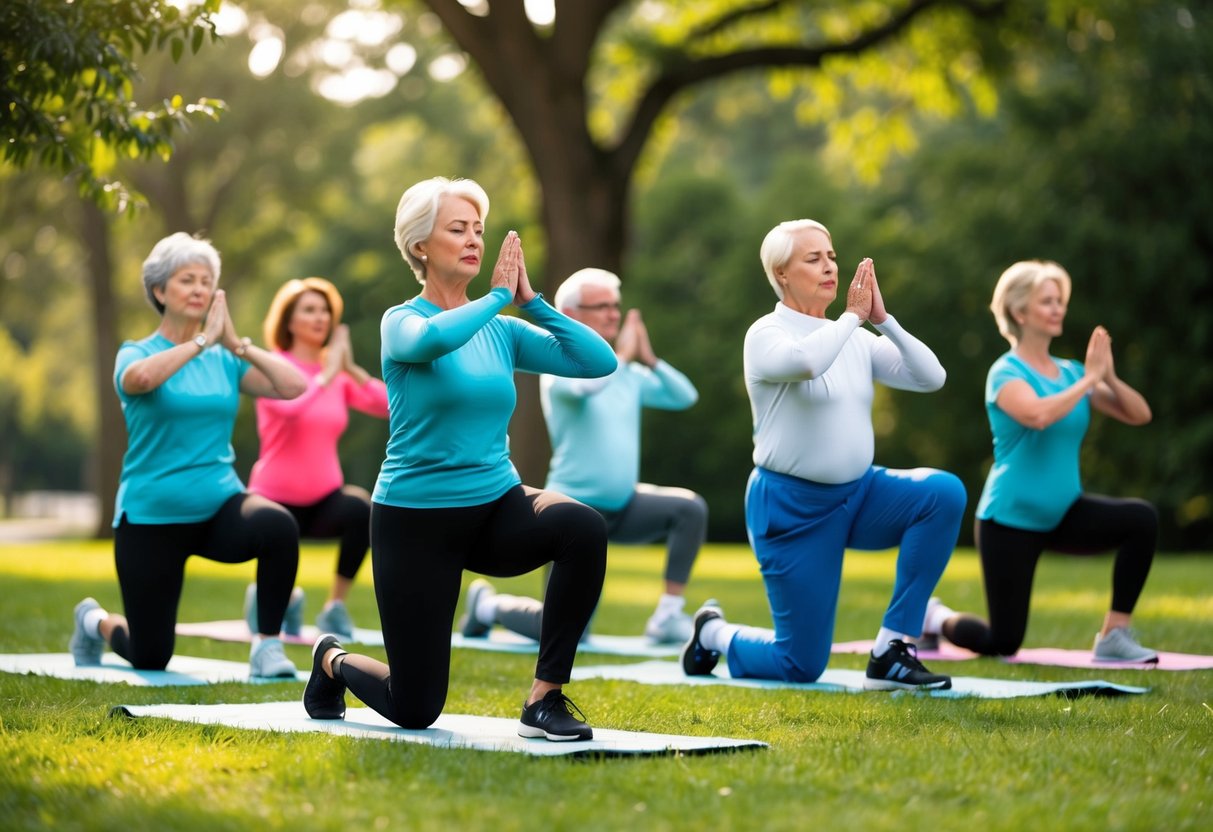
(106, 466)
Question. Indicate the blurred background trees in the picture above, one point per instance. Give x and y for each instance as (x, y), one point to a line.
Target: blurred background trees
(970, 136)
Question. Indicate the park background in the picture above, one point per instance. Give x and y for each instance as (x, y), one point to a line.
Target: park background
(943, 139)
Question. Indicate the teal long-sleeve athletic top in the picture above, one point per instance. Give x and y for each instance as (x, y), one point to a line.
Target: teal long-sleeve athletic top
(450, 384)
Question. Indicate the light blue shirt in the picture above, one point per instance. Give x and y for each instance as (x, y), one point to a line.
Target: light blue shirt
(178, 463)
(1035, 477)
(595, 429)
(450, 384)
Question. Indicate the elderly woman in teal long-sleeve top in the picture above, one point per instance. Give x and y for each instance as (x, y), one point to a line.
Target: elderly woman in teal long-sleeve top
(448, 498)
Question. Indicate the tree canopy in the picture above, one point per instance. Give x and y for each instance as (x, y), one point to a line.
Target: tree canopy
(67, 75)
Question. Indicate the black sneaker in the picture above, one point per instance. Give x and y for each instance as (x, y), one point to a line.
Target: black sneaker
(324, 698)
(899, 669)
(552, 718)
(697, 660)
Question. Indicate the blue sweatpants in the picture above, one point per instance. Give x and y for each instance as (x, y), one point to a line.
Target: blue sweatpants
(799, 531)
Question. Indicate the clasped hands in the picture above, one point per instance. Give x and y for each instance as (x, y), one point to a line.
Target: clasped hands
(510, 270)
(863, 296)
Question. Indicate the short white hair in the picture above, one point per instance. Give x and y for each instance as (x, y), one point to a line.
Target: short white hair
(418, 210)
(779, 244)
(569, 293)
(173, 253)
(1015, 288)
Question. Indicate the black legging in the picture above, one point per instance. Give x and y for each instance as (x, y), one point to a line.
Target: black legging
(344, 514)
(418, 557)
(1094, 524)
(150, 561)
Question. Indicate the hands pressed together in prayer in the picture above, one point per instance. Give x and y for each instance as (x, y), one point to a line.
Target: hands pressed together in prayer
(510, 270)
(632, 343)
(863, 296)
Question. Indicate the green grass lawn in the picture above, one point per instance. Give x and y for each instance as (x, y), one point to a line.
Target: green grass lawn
(872, 761)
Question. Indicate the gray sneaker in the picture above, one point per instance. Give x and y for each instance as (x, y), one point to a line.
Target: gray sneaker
(292, 622)
(86, 649)
(268, 660)
(335, 619)
(1120, 645)
(469, 624)
(675, 628)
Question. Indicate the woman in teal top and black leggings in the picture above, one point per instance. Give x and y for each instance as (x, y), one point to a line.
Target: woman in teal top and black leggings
(179, 494)
(448, 497)
(1039, 408)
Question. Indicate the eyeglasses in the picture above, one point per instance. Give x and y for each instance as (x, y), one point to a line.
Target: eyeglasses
(600, 307)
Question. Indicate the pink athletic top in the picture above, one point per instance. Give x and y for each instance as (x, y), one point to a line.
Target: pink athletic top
(298, 464)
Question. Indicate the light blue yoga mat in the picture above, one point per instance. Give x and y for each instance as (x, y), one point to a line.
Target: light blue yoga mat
(449, 731)
(181, 670)
(849, 681)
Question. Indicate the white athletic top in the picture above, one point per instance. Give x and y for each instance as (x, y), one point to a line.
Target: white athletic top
(810, 382)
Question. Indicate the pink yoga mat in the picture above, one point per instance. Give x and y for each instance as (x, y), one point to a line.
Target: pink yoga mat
(1052, 656)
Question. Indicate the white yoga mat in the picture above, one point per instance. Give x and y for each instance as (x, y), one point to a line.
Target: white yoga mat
(848, 681)
(450, 731)
(181, 670)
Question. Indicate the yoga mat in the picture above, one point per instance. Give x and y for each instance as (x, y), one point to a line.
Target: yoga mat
(181, 670)
(450, 731)
(848, 681)
(1048, 656)
(236, 629)
(504, 641)
(498, 640)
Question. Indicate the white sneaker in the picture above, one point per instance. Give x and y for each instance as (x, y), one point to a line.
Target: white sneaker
(671, 628)
(86, 649)
(267, 660)
(1119, 645)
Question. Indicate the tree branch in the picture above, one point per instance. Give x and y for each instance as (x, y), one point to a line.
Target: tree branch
(713, 27)
(684, 72)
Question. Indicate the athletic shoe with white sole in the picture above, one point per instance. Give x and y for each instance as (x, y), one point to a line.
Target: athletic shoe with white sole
(324, 697)
(267, 660)
(292, 622)
(1120, 645)
(335, 619)
(899, 669)
(469, 625)
(552, 717)
(673, 628)
(697, 660)
(86, 649)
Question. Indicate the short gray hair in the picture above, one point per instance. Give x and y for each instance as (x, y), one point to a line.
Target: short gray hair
(569, 293)
(418, 210)
(1014, 289)
(175, 252)
(778, 245)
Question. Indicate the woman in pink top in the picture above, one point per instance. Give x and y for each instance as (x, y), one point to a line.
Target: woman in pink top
(298, 466)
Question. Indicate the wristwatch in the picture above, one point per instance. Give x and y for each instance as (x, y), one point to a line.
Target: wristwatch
(200, 340)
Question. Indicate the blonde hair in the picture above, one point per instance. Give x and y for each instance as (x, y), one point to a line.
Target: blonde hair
(277, 325)
(779, 244)
(418, 210)
(1015, 288)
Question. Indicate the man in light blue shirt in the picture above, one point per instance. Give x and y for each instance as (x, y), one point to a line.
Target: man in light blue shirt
(594, 425)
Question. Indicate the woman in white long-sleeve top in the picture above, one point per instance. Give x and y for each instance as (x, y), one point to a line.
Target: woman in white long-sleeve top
(814, 491)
